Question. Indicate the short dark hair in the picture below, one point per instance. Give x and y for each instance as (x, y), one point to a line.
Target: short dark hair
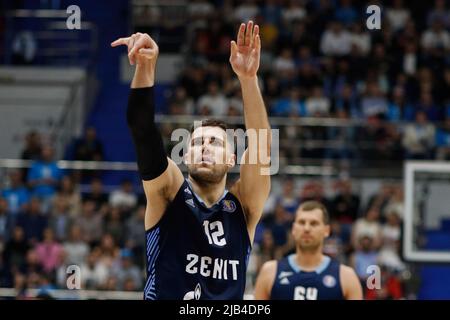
(211, 123)
(313, 205)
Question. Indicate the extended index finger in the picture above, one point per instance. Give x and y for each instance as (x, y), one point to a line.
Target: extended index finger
(119, 42)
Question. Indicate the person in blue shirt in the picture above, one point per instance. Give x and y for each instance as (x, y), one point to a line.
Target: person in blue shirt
(33, 222)
(16, 195)
(44, 175)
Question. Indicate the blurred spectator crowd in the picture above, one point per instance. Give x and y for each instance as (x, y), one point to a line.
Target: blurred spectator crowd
(319, 60)
(50, 219)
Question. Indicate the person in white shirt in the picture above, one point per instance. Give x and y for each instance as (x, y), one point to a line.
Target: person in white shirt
(123, 197)
(397, 15)
(336, 41)
(436, 37)
(213, 103)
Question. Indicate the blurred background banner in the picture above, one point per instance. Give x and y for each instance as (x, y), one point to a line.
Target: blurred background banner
(363, 116)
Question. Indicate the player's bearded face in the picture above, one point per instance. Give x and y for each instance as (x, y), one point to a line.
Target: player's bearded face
(209, 156)
(309, 230)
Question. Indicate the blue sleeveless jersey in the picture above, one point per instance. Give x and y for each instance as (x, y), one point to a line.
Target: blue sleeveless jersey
(291, 283)
(195, 252)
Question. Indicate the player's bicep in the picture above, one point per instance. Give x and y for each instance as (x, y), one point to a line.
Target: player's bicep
(160, 191)
(351, 285)
(264, 281)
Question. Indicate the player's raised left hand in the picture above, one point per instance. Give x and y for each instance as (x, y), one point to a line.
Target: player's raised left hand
(245, 54)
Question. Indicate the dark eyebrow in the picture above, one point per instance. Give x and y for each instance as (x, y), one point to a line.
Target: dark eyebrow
(205, 137)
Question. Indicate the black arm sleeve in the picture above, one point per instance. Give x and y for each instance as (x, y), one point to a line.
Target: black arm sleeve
(151, 156)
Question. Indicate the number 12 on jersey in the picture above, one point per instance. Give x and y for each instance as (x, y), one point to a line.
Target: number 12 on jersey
(215, 233)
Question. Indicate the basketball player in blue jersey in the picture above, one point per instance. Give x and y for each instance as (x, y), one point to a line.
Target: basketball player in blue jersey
(199, 234)
(308, 274)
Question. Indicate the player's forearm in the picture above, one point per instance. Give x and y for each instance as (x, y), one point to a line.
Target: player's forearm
(151, 156)
(144, 75)
(255, 113)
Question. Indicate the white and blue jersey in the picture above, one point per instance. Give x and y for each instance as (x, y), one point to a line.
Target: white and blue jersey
(195, 252)
(292, 283)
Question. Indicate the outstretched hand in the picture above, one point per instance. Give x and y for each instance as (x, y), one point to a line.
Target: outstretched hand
(245, 54)
(141, 48)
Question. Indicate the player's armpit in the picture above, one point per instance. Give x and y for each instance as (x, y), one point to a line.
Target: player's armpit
(350, 283)
(265, 280)
(160, 191)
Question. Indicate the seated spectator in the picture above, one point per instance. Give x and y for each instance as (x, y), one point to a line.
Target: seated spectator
(439, 12)
(114, 225)
(135, 234)
(361, 40)
(367, 226)
(279, 224)
(16, 194)
(109, 250)
(32, 150)
(290, 106)
(95, 273)
(317, 105)
(336, 41)
(124, 198)
(288, 199)
(396, 202)
(44, 177)
(436, 37)
(364, 257)
(90, 222)
(284, 65)
(126, 270)
(14, 253)
(199, 9)
(271, 12)
(397, 15)
(246, 11)
(69, 193)
(373, 102)
(346, 202)
(184, 103)
(33, 221)
(419, 138)
(88, 147)
(96, 194)
(391, 242)
(426, 104)
(75, 248)
(213, 102)
(60, 220)
(295, 11)
(48, 252)
(346, 13)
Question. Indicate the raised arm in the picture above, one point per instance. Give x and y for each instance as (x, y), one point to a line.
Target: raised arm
(161, 177)
(253, 187)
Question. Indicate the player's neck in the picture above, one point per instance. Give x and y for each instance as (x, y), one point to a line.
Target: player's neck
(210, 193)
(308, 260)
